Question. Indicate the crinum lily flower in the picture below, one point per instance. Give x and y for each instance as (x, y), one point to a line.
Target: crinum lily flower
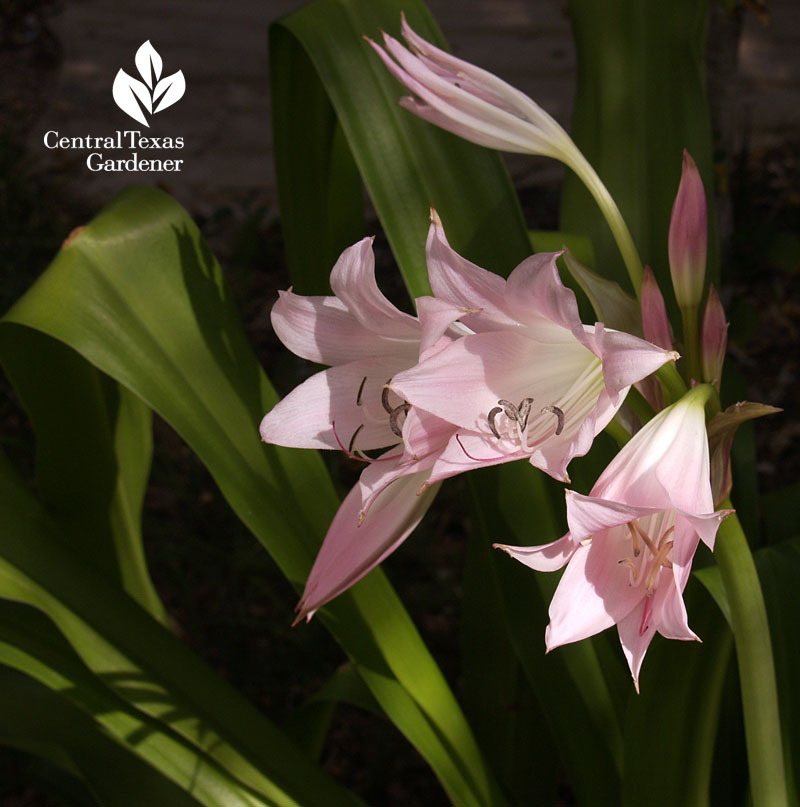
(348, 406)
(631, 541)
(470, 102)
(482, 108)
(529, 381)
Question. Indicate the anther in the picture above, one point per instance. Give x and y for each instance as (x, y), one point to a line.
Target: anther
(510, 410)
(395, 414)
(385, 398)
(524, 410)
(360, 390)
(492, 415)
(559, 413)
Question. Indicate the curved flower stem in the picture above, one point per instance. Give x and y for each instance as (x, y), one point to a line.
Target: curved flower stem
(691, 343)
(633, 263)
(639, 405)
(671, 383)
(617, 432)
(756, 666)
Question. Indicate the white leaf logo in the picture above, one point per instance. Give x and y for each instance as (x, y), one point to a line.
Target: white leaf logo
(151, 95)
(169, 90)
(148, 63)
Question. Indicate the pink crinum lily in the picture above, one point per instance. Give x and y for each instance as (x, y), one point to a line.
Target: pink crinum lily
(528, 380)
(631, 541)
(348, 406)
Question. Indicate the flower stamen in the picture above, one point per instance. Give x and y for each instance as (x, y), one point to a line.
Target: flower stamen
(645, 537)
(637, 546)
(519, 417)
(360, 391)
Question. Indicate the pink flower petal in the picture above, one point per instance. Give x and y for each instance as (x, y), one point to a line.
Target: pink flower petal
(321, 329)
(669, 611)
(465, 380)
(353, 282)
(351, 551)
(435, 317)
(544, 558)
(636, 631)
(665, 464)
(457, 281)
(587, 515)
(534, 292)
(340, 395)
(424, 433)
(592, 595)
(626, 359)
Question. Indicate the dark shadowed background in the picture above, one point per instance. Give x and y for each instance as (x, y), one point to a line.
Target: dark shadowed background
(58, 61)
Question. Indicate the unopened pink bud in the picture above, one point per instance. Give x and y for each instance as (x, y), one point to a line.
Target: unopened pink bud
(655, 323)
(688, 236)
(715, 338)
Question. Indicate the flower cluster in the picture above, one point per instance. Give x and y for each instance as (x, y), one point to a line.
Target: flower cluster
(493, 370)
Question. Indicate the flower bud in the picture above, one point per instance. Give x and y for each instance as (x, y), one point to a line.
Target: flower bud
(688, 237)
(655, 323)
(715, 338)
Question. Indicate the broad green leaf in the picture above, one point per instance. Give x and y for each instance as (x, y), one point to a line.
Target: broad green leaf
(148, 307)
(498, 696)
(778, 568)
(515, 504)
(93, 447)
(406, 164)
(40, 721)
(139, 681)
(319, 189)
(640, 100)
(671, 726)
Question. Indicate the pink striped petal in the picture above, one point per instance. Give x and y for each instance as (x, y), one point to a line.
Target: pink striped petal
(351, 551)
(353, 282)
(321, 329)
(456, 280)
(435, 318)
(544, 558)
(305, 417)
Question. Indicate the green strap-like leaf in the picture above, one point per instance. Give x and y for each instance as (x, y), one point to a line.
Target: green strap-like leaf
(778, 571)
(93, 448)
(407, 165)
(515, 505)
(639, 102)
(672, 724)
(140, 682)
(38, 720)
(147, 306)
